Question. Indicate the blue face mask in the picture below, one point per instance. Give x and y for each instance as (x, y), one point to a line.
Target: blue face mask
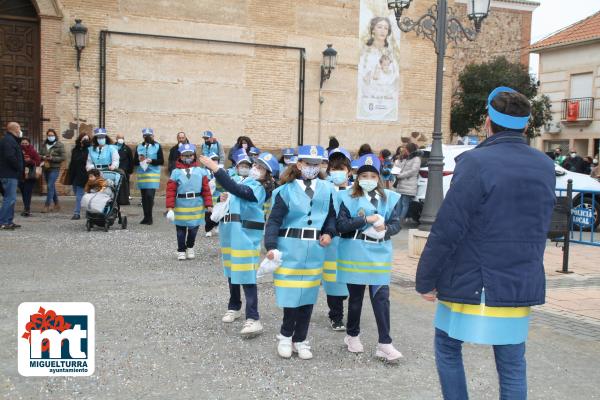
(368, 185)
(187, 160)
(51, 139)
(101, 141)
(338, 177)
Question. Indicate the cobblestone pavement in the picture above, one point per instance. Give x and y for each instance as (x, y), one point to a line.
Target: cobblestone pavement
(159, 333)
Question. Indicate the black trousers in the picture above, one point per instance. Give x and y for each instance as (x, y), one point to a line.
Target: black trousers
(380, 300)
(235, 299)
(186, 237)
(148, 202)
(336, 307)
(26, 188)
(296, 321)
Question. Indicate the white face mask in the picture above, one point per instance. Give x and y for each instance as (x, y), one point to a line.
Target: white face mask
(120, 141)
(256, 173)
(573, 155)
(243, 171)
(368, 185)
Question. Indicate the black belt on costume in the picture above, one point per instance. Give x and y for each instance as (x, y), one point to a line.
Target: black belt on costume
(101, 166)
(245, 224)
(188, 195)
(304, 234)
(358, 235)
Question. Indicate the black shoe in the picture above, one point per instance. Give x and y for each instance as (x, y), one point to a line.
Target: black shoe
(14, 226)
(25, 214)
(6, 228)
(146, 221)
(75, 217)
(337, 325)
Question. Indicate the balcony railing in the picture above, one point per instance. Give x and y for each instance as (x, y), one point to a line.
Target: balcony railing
(578, 109)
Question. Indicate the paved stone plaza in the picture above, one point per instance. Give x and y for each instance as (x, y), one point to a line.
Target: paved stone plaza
(159, 332)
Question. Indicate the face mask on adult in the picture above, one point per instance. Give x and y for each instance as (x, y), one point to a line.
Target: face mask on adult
(121, 141)
(101, 141)
(51, 139)
(338, 177)
(368, 185)
(595, 162)
(256, 173)
(310, 171)
(243, 171)
(573, 155)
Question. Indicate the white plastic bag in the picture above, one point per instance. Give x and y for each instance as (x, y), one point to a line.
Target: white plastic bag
(212, 184)
(269, 266)
(144, 164)
(372, 232)
(220, 210)
(170, 216)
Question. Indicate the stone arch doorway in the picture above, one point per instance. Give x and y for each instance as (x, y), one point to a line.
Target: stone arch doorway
(20, 66)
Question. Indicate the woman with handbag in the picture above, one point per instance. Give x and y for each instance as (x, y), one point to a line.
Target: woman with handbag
(53, 154)
(77, 170)
(33, 172)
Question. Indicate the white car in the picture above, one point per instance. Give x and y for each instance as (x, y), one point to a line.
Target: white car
(581, 182)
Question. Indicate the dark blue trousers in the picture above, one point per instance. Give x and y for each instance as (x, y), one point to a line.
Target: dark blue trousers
(296, 321)
(336, 307)
(186, 237)
(235, 299)
(380, 300)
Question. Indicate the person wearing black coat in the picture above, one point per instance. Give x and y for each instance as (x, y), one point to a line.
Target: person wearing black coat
(126, 165)
(174, 152)
(12, 169)
(77, 171)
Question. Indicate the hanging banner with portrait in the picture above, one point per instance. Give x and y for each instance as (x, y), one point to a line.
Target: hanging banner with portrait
(378, 68)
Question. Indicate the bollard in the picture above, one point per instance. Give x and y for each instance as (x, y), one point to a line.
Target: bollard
(565, 264)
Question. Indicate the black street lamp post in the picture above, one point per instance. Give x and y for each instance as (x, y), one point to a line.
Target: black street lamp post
(440, 25)
(79, 41)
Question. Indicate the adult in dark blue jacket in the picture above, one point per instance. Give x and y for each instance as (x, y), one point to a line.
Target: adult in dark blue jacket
(484, 256)
(12, 167)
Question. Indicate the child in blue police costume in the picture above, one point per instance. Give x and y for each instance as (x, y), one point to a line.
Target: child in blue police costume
(287, 155)
(102, 155)
(148, 159)
(386, 168)
(216, 190)
(241, 234)
(301, 225)
(338, 171)
(242, 168)
(188, 196)
(363, 260)
(211, 145)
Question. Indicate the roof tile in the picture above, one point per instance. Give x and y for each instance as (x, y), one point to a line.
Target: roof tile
(586, 29)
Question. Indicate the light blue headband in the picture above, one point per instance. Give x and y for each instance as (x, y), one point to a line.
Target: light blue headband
(507, 121)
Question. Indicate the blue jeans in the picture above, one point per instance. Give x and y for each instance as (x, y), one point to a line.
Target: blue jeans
(51, 176)
(510, 364)
(78, 190)
(405, 203)
(7, 211)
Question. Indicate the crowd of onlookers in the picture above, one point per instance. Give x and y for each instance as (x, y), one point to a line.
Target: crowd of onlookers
(575, 163)
(22, 166)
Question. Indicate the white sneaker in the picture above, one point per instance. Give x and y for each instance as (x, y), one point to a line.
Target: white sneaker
(189, 254)
(284, 347)
(251, 328)
(388, 352)
(209, 234)
(303, 350)
(354, 344)
(231, 315)
(180, 255)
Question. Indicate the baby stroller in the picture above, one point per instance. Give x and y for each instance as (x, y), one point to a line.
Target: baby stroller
(102, 208)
